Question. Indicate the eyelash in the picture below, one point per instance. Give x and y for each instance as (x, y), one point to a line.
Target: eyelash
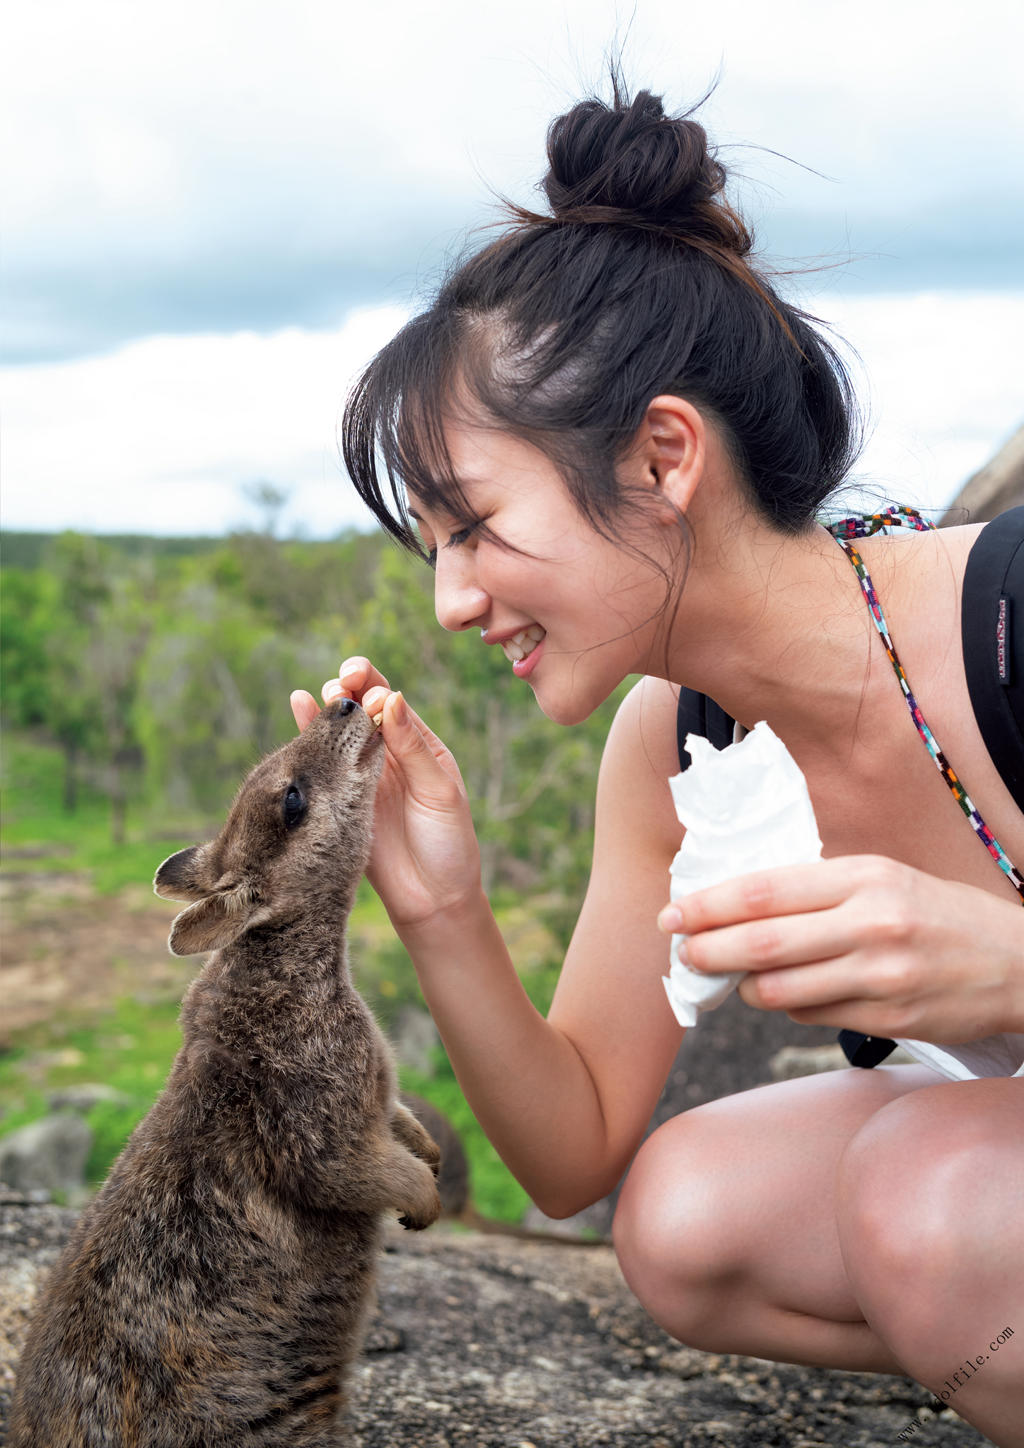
(455, 540)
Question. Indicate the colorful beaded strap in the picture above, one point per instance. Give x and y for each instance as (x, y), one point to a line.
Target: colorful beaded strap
(863, 527)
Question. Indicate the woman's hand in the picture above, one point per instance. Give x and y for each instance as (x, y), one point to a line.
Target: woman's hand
(425, 857)
(865, 943)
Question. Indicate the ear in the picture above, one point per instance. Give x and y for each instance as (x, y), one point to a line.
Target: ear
(673, 448)
(212, 923)
(184, 876)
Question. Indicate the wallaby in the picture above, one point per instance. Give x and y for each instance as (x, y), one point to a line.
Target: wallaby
(213, 1293)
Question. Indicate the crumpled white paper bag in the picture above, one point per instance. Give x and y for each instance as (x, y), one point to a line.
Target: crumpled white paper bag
(745, 807)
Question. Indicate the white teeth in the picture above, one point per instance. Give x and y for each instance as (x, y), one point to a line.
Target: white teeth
(522, 643)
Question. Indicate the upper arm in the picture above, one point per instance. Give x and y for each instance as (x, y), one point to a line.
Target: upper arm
(610, 1002)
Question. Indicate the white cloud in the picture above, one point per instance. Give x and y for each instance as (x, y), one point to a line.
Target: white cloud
(941, 377)
(162, 435)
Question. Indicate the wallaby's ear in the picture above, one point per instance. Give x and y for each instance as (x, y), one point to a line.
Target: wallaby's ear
(209, 924)
(183, 877)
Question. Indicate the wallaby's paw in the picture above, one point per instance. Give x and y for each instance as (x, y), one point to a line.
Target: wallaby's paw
(427, 1149)
(418, 1224)
(415, 1137)
(422, 1213)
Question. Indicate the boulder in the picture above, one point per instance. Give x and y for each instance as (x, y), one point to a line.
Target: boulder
(490, 1342)
(84, 1096)
(48, 1155)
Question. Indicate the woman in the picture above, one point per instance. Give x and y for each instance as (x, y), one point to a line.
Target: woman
(611, 439)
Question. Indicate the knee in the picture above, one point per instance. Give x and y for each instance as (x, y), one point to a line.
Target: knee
(909, 1190)
(671, 1233)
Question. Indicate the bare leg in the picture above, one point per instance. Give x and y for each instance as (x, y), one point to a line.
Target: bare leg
(726, 1227)
(769, 1223)
(931, 1228)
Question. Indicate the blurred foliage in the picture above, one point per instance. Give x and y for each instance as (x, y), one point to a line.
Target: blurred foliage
(162, 674)
(143, 677)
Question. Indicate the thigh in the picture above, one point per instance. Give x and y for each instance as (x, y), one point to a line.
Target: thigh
(743, 1192)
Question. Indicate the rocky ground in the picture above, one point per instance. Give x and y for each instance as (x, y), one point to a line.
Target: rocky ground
(479, 1340)
(500, 1343)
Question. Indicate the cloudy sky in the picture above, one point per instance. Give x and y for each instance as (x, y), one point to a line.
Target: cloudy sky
(215, 212)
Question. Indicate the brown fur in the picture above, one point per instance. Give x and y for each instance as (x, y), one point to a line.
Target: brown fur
(213, 1292)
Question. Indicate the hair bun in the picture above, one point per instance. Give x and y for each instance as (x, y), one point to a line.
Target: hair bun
(630, 163)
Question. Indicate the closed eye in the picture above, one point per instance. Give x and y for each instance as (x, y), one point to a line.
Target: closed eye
(455, 540)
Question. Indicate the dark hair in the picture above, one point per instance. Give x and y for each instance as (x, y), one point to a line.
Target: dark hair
(564, 328)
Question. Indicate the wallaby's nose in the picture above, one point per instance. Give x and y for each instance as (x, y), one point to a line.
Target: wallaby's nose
(345, 706)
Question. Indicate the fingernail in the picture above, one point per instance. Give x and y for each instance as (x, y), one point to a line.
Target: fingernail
(331, 690)
(399, 711)
(349, 671)
(671, 920)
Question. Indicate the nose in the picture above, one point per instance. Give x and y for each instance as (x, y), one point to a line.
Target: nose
(345, 706)
(459, 601)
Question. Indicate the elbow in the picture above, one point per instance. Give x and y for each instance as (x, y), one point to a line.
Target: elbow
(562, 1200)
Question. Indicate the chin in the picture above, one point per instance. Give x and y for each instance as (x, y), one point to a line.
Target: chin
(569, 709)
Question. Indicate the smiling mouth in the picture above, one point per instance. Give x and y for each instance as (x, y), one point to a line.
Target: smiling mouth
(522, 644)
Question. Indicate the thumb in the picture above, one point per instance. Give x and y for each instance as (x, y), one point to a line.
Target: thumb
(423, 759)
(304, 708)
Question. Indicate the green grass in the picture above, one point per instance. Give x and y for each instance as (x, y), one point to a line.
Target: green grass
(129, 1048)
(34, 819)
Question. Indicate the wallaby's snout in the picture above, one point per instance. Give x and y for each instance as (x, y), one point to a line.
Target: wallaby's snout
(300, 827)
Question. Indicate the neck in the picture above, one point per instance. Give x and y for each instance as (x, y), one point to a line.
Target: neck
(296, 955)
(775, 627)
(269, 992)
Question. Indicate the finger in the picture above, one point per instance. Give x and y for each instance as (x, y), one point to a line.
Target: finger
(304, 708)
(773, 942)
(374, 700)
(357, 674)
(784, 890)
(822, 987)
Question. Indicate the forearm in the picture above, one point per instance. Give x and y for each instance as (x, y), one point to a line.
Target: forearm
(527, 1084)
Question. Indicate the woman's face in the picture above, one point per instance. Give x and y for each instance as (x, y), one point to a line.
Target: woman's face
(574, 612)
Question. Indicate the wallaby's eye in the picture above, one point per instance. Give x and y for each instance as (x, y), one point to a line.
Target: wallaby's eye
(293, 806)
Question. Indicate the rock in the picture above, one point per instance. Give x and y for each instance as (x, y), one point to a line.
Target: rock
(31, 1236)
(415, 1038)
(593, 1223)
(48, 1155)
(82, 1098)
(793, 1061)
(487, 1342)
